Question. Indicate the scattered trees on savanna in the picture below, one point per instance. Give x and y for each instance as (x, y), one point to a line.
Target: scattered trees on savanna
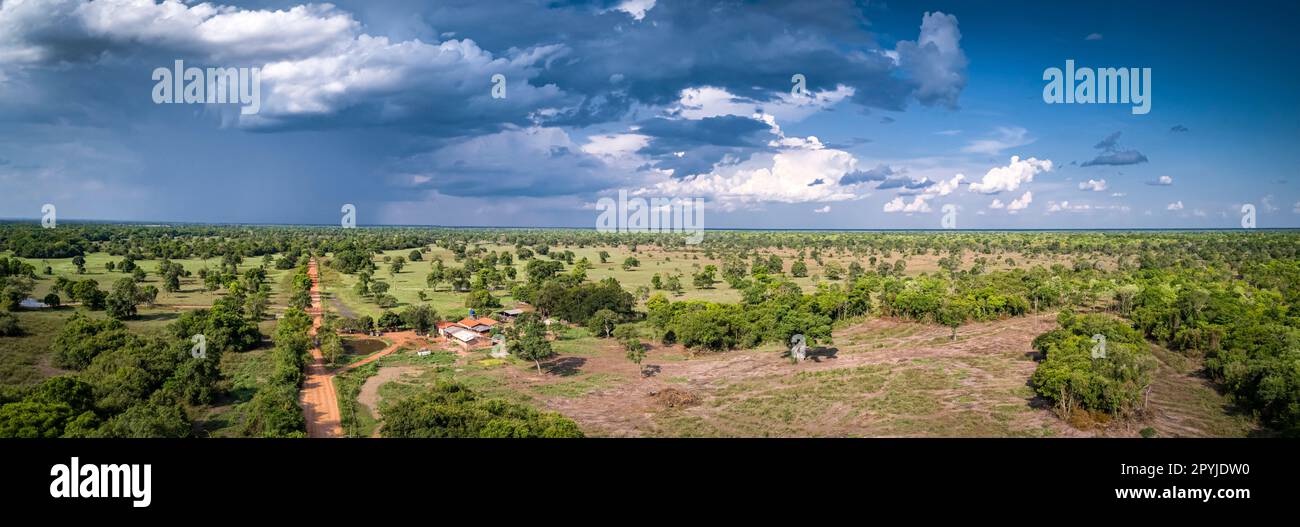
(1224, 299)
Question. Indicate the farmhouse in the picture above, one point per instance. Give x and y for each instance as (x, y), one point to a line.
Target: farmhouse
(482, 326)
(468, 332)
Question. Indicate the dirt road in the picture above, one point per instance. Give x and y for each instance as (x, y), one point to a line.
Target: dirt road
(320, 406)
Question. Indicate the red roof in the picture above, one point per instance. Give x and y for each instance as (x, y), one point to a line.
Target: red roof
(471, 322)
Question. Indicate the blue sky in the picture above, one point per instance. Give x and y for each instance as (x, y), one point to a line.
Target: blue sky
(910, 106)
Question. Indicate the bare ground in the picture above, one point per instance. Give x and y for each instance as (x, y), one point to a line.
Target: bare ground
(882, 378)
(369, 396)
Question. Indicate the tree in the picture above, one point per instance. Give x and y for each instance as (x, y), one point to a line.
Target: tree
(420, 318)
(147, 295)
(15, 290)
(527, 340)
(389, 321)
(799, 269)
(415, 255)
(396, 265)
(953, 314)
(121, 302)
(52, 300)
(603, 322)
(635, 353)
(630, 263)
(604, 256)
(9, 325)
(674, 284)
(481, 299)
(80, 262)
(706, 278)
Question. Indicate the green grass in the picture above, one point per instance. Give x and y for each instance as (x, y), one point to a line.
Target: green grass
(27, 359)
(192, 292)
(356, 419)
(580, 386)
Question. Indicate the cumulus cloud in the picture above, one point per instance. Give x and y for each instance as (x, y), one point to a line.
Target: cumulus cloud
(1093, 36)
(1010, 177)
(1177, 205)
(822, 210)
(1093, 185)
(787, 176)
(918, 204)
(1016, 205)
(1162, 181)
(943, 188)
(935, 61)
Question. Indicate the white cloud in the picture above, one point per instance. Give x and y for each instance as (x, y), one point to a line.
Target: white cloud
(636, 8)
(935, 61)
(1162, 181)
(221, 32)
(710, 101)
(1093, 36)
(822, 210)
(314, 59)
(1017, 204)
(1005, 137)
(1094, 185)
(943, 188)
(1010, 177)
(789, 176)
(1023, 201)
(1295, 209)
(918, 204)
(615, 145)
(1177, 205)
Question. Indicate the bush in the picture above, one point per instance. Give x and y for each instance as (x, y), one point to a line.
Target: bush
(452, 410)
(1073, 379)
(9, 325)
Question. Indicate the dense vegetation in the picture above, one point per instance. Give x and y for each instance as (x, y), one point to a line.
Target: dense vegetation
(451, 410)
(1093, 362)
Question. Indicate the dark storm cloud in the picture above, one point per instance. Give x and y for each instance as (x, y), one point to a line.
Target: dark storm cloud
(1112, 155)
(751, 49)
(880, 173)
(693, 146)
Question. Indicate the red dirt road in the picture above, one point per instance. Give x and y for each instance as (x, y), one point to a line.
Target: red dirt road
(320, 406)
